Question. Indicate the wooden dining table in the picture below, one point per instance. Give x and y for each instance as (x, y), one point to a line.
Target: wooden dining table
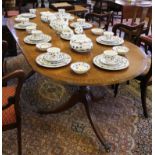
(94, 77)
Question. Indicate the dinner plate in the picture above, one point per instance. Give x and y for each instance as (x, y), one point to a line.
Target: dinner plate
(84, 25)
(114, 42)
(27, 15)
(42, 62)
(18, 26)
(46, 38)
(122, 63)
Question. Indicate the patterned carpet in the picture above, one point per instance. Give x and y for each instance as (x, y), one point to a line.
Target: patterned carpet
(120, 120)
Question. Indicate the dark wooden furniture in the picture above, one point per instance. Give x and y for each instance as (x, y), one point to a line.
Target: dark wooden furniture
(105, 18)
(95, 76)
(131, 32)
(146, 77)
(11, 112)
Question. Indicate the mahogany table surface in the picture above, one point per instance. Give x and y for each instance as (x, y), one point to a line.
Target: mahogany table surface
(95, 76)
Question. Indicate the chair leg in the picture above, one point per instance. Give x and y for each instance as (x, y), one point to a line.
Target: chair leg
(19, 139)
(116, 89)
(143, 88)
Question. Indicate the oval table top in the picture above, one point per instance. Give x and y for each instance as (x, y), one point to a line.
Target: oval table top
(95, 76)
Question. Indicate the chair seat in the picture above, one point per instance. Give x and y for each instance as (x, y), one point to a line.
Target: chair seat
(12, 13)
(8, 115)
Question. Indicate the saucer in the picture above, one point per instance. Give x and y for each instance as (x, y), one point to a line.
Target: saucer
(18, 26)
(27, 15)
(43, 46)
(80, 67)
(41, 37)
(42, 62)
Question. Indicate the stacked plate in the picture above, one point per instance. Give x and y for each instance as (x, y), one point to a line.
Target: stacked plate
(84, 25)
(43, 38)
(119, 62)
(60, 60)
(113, 41)
(22, 26)
(27, 15)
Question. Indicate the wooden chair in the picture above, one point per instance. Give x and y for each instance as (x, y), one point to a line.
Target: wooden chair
(106, 18)
(11, 112)
(145, 78)
(131, 32)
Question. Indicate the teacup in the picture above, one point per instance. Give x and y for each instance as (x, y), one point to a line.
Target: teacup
(33, 11)
(53, 54)
(109, 55)
(108, 34)
(24, 20)
(81, 20)
(29, 29)
(61, 11)
(36, 34)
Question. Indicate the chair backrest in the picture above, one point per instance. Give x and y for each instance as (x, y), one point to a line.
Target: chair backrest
(131, 32)
(100, 6)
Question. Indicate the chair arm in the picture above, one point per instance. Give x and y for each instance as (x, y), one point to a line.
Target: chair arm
(11, 101)
(128, 27)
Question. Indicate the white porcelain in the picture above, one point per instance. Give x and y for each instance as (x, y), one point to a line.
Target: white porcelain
(44, 18)
(81, 21)
(40, 60)
(59, 25)
(81, 43)
(45, 13)
(36, 34)
(53, 54)
(19, 19)
(114, 41)
(84, 25)
(97, 31)
(33, 11)
(121, 50)
(43, 46)
(30, 28)
(109, 56)
(80, 67)
(45, 38)
(108, 34)
(122, 63)
(23, 26)
(61, 11)
(67, 35)
(27, 15)
(78, 30)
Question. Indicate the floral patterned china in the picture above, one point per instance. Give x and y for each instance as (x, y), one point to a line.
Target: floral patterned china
(45, 38)
(113, 41)
(43, 46)
(84, 25)
(81, 43)
(30, 28)
(22, 26)
(80, 67)
(27, 15)
(121, 63)
(97, 31)
(40, 60)
(79, 30)
(121, 50)
(20, 19)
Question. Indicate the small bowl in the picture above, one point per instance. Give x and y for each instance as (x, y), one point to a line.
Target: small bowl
(97, 31)
(80, 67)
(121, 50)
(43, 46)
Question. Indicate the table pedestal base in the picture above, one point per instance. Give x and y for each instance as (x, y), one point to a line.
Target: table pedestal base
(84, 96)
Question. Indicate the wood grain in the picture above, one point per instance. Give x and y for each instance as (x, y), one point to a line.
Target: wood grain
(95, 76)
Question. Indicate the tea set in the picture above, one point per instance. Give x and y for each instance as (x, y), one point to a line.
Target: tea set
(110, 60)
(79, 42)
